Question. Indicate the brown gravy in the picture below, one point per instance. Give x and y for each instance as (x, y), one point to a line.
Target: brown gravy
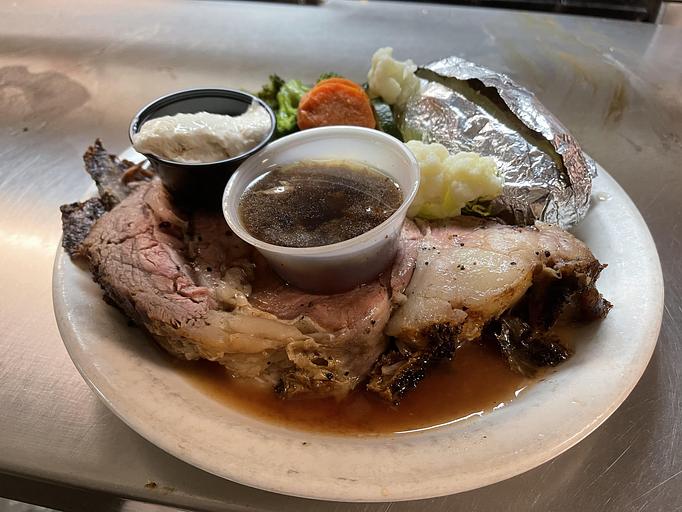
(475, 382)
(315, 203)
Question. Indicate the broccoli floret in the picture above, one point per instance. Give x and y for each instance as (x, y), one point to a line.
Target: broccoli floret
(283, 97)
(287, 101)
(269, 91)
(328, 74)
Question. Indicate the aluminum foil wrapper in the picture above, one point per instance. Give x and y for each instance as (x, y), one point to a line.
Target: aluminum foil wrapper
(466, 107)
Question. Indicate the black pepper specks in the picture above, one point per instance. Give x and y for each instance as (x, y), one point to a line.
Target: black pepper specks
(325, 203)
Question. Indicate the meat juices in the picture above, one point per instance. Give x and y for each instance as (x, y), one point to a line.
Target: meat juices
(316, 203)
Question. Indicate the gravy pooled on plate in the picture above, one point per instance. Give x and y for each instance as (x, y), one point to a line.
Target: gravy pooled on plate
(314, 203)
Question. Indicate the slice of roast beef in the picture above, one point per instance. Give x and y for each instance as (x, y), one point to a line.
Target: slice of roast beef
(470, 272)
(203, 293)
(345, 329)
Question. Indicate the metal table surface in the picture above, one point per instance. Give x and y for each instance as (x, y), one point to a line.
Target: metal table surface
(74, 70)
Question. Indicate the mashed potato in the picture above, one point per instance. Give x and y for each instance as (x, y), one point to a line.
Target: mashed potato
(450, 181)
(391, 79)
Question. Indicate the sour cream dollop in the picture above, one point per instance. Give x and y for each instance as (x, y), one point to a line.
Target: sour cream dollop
(203, 137)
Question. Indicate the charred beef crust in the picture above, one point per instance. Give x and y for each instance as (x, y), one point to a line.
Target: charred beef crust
(297, 384)
(522, 334)
(321, 375)
(558, 286)
(526, 349)
(115, 179)
(591, 305)
(111, 175)
(396, 373)
(77, 220)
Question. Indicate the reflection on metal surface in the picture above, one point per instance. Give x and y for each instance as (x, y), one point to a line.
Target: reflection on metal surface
(25, 241)
(636, 10)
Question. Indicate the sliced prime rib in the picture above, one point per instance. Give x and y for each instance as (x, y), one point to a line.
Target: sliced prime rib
(346, 327)
(203, 293)
(473, 275)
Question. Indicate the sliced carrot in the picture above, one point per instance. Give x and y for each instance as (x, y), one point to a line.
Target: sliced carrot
(326, 87)
(335, 103)
(340, 80)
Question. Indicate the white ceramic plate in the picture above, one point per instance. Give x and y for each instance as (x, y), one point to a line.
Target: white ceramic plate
(142, 389)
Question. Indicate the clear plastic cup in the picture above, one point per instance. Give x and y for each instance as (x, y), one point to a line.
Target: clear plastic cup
(343, 265)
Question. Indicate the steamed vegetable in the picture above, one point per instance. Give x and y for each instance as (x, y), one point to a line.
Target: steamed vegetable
(339, 80)
(335, 101)
(283, 97)
(385, 119)
(450, 182)
(478, 208)
(328, 74)
(288, 99)
(392, 80)
(269, 91)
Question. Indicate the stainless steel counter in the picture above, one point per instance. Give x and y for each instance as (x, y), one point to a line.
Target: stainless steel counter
(74, 70)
